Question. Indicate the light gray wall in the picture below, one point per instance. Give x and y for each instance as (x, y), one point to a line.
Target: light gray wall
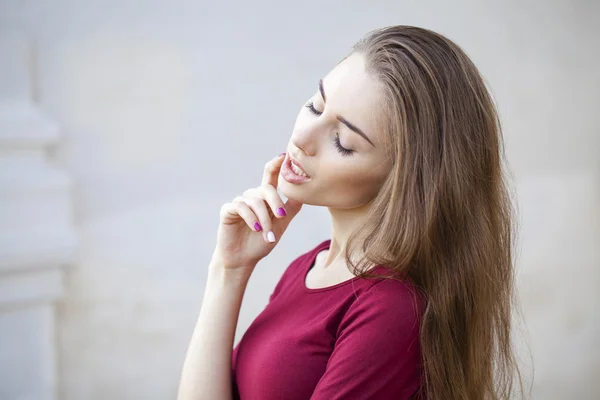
(170, 109)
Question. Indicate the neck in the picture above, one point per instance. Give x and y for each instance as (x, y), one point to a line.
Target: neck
(343, 223)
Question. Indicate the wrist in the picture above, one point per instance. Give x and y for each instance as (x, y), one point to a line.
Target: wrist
(222, 275)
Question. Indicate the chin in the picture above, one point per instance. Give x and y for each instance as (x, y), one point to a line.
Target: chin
(294, 192)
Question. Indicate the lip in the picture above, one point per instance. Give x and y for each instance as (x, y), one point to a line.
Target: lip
(289, 175)
(297, 164)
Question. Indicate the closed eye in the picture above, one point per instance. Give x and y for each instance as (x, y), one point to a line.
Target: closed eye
(312, 108)
(341, 149)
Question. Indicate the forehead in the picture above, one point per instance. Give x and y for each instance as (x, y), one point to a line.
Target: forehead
(353, 94)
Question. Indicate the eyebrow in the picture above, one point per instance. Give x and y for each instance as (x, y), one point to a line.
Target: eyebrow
(343, 120)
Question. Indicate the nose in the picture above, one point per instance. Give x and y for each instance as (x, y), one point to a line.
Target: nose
(307, 138)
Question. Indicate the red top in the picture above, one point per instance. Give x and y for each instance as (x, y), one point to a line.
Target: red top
(355, 340)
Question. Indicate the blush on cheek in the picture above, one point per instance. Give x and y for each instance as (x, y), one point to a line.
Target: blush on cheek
(367, 187)
(342, 193)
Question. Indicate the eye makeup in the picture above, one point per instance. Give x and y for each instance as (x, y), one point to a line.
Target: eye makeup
(342, 150)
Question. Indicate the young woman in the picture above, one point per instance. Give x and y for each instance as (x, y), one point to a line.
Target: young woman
(411, 297)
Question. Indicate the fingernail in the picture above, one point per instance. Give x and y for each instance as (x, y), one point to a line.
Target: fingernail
(281, 211)
(271, 236)
(282, 154)
(257, 226)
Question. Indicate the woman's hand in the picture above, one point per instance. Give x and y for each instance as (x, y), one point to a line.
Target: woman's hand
(252, 224)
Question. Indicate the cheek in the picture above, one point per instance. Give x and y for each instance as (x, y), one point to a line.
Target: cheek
(351, 186)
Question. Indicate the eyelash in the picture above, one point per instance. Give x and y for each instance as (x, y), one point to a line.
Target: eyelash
(344, 151)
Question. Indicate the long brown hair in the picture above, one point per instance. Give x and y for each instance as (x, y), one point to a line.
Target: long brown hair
(444, 217)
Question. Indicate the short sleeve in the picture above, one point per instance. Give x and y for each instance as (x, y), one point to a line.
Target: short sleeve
(376, 353)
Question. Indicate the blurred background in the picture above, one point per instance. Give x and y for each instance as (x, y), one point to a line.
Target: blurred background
(124, 126)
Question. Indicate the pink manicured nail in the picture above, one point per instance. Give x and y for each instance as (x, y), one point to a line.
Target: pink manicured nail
(281, 211)
(257, 226)
(282, 154)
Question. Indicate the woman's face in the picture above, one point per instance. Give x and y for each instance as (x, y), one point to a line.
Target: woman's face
(337, 140)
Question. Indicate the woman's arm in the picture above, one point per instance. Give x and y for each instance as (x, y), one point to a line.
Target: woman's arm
(206, 371)
(248, 228)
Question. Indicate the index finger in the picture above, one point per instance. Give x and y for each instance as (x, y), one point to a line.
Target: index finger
(271, 172)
